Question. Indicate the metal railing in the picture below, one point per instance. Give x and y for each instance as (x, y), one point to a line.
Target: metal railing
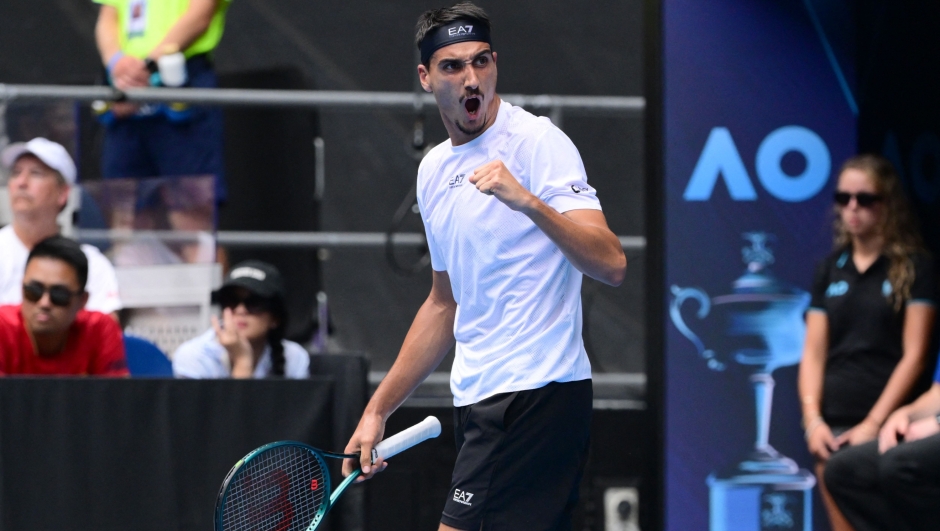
(332, 99)
(257, 239)
(623, 106)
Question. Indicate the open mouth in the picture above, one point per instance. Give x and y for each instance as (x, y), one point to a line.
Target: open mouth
(473, 106)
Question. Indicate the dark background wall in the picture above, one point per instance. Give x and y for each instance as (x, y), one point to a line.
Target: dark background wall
(899, 112)
(544, 47)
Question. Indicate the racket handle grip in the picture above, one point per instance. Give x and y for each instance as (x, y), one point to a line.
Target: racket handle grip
(403, 440)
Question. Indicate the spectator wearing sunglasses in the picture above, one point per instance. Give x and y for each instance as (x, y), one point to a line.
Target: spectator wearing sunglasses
(870, 320)
(41, 176)
(249, 342)
(49, 332)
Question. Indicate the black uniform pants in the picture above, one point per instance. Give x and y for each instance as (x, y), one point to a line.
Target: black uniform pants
(897, 491)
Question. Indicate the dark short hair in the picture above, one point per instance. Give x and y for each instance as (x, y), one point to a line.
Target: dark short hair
(435, 18)
(66, 250)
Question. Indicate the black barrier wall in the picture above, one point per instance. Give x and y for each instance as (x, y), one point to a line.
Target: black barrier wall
(83, 454)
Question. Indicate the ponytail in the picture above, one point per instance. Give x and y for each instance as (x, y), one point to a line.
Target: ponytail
(275, 341)
(276, 338)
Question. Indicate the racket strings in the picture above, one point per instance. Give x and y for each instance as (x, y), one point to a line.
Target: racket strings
(282, 489)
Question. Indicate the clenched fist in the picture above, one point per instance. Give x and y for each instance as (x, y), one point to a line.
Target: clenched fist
(493, 178)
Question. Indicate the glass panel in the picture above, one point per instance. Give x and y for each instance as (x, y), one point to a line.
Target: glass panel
(154, 221)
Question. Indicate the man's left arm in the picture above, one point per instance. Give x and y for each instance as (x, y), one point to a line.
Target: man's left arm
(582, 235)
(110, 358)
(185, 31)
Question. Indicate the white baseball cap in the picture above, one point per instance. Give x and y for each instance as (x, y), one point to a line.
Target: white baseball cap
(51, 153)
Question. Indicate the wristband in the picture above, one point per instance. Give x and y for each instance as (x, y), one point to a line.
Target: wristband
(114, 59)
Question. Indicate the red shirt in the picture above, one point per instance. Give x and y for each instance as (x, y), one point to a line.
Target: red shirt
(95, 346)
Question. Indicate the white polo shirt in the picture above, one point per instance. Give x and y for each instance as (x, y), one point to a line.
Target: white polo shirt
(518, 321)
(102, 285)
(204, 357)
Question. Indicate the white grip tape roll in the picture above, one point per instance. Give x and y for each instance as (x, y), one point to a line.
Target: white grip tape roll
(401, 441)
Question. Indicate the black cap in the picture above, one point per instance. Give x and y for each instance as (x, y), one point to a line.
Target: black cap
(260, 278)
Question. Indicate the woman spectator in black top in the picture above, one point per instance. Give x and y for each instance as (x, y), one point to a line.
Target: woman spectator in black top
(870, 320)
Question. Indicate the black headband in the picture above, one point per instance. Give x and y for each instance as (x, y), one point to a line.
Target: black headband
(458, 31)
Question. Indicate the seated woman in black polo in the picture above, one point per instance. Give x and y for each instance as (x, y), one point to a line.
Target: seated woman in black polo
(870, 321)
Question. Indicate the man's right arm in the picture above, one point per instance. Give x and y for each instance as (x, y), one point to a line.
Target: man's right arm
(429, 339)
(126, 71)
(927, 406)
(107, 33)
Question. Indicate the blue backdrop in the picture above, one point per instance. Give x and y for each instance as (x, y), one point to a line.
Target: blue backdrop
(759, 114)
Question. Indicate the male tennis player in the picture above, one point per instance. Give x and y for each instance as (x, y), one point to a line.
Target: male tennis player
(511, 225)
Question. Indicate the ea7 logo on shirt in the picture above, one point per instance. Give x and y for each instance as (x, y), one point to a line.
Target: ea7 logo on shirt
(578, 189)
(462, 496)
(457, 181)
(460, 30)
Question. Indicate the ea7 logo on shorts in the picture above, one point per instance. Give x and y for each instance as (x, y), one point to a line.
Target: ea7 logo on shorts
(460, 30)
(457, 181)
(462, 496)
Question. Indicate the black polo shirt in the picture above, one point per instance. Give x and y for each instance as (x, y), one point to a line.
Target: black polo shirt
(865, 331)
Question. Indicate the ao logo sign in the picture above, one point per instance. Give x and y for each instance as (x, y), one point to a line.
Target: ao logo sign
(720, 158)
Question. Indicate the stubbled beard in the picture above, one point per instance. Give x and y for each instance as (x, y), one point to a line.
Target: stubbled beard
(471, 131)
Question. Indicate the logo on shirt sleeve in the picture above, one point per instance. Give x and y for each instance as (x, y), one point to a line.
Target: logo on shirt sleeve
(578, 189)
(462, 496)
(837, 289)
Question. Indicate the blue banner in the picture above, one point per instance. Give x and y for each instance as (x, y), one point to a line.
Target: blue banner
(759, 114)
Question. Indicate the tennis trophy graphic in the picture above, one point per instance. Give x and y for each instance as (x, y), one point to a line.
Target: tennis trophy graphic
(761, 328)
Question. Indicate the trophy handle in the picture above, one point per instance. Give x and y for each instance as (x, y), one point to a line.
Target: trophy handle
(705, 305)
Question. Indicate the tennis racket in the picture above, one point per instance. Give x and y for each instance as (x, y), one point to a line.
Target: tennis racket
(285, 485)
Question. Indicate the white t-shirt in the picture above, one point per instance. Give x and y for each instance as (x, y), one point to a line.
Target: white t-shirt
(102, 285)
(203, 357)
(518, 321)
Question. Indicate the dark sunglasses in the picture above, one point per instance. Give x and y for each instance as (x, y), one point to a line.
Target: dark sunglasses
(254, 304)
(59, 295)
(864, 199)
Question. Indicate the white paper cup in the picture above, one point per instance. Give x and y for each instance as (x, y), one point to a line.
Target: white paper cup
(172, 69)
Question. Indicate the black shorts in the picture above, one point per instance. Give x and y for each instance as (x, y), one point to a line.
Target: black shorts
(520, 459)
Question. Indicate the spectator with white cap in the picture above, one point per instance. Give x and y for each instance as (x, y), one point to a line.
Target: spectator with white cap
(41, 176)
